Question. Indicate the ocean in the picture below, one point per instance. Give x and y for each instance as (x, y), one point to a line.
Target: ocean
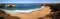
(23, 6)
(27, 6)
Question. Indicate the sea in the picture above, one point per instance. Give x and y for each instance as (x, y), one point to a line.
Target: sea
(23, 6)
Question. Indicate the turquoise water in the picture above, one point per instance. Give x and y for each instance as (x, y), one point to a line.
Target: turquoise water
(23, 6)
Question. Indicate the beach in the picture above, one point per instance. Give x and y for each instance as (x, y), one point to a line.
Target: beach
(34, 14)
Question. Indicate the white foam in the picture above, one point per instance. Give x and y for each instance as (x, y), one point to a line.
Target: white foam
(22, 11)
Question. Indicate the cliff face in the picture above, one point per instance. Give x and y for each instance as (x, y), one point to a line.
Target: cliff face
(55, 7)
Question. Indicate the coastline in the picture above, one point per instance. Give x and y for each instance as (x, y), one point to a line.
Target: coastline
(22, 11)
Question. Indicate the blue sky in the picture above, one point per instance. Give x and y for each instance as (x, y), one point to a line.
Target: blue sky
(29, 1)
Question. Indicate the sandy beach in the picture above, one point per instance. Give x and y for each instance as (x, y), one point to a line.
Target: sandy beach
(34, 14)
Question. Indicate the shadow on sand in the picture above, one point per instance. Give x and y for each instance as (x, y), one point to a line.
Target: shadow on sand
(3, 15)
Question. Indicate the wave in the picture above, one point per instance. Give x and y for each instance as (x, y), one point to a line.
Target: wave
(22, 11)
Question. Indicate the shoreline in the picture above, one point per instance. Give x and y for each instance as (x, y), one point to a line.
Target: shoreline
(22, 11)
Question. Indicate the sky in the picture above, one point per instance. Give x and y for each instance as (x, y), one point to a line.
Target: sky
(29, 1)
